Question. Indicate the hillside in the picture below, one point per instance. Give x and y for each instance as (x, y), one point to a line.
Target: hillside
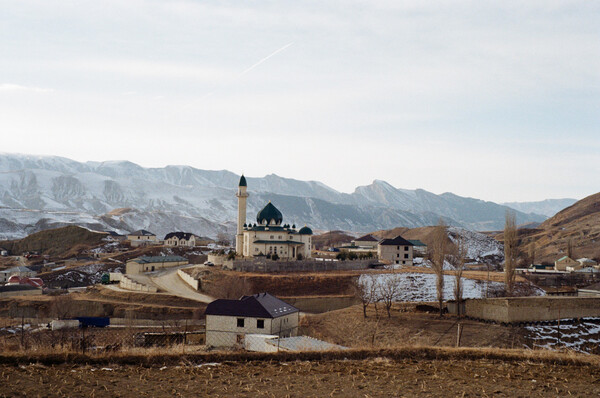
(579, 223)
(62, 242)
(38, 193)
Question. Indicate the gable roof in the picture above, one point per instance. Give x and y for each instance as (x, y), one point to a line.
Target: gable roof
(563, 258)
(179, 235)
(142, 232)
(366, 238)
(397, 241)
(262, 305)
(158, 259)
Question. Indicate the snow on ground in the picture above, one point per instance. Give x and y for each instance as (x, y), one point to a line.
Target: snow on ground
(421, 287)
(481, 246)
(581, 337)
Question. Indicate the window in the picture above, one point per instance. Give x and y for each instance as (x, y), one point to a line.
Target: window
(405, 248)
(406, 255)
(260, 323)
(272, 237)
(256, 249)
(279, 237)
(240, 322)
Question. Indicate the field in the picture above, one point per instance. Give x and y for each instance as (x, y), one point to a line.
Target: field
(401, 372)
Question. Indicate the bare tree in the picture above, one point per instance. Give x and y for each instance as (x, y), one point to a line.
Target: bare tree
(223, 239)
(532, 253)
(366, 291)
(437, 254)
(510, 251)
(570, 248)
(389, 291)
(458, 259)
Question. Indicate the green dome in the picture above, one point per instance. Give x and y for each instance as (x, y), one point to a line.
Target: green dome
(269, 213)
(305, 231)
(243, 182)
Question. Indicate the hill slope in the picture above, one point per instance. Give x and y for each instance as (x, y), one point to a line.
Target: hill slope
(579, 223)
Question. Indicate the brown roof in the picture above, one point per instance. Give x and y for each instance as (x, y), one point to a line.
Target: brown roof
(397, 241)
(366, 238)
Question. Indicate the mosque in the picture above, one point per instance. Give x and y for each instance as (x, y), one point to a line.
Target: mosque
(268, 236)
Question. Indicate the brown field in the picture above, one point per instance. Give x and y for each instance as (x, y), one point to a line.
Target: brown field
(349, 328)
(401, 372)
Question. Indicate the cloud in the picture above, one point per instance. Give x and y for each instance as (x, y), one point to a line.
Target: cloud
(18, 87)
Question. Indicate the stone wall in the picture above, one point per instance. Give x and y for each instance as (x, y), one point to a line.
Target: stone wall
(264, 265)
(532, 309)
(317, 305)
(129, 284)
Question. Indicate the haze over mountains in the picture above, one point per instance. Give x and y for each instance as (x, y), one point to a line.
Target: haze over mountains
(42, 192)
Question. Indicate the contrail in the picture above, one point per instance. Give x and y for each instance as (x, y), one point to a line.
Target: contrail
(264, 59)
(247, 70)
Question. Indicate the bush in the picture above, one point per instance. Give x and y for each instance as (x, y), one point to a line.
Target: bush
(300, 257)
(275, 257)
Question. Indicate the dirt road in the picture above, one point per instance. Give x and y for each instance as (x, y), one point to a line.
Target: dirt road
(170, 282)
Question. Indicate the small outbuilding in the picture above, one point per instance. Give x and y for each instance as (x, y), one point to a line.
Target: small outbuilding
(153, 263)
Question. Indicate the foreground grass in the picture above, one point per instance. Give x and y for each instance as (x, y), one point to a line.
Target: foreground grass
(154, 357)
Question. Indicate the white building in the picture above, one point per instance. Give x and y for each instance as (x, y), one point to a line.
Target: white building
(268, 236)
(142, 238)
(19, 271)
(229, 321)
(185, 239)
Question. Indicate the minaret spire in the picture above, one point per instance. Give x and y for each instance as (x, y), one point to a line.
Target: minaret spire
(242, 195)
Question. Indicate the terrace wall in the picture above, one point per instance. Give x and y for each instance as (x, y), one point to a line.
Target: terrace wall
(532, 309)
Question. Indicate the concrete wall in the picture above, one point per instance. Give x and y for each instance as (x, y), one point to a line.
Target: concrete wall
(264, 265)
(395, 254)
(317, 305)
(129, 284)
(32, 292)
(532, 309)
(187, 278)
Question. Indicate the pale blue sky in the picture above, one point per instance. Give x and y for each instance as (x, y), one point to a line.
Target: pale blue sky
(493, 100)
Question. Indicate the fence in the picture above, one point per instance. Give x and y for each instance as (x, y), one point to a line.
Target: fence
(41, 338)
(226, 339)
(265, 265)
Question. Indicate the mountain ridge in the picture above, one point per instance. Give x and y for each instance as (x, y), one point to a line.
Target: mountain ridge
(89, 190)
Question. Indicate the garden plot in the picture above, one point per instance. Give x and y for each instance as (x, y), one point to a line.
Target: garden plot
(421, 287)
(583, 336)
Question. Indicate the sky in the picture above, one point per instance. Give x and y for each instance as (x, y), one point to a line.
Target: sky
(495, 100)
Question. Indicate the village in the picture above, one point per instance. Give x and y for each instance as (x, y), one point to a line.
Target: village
(271, 290)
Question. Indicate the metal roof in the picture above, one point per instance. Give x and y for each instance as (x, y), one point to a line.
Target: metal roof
(262, 305)
(416, 242)
(142, 232)
(397, 241)
(159, 259)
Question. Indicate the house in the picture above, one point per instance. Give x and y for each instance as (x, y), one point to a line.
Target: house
(419, 248)
(366, 242)
(18, 271)
(396, 251)
(185, 239)
(229, 321)
(142, 238)
(562, 263)
(268, 236)
(153, 263)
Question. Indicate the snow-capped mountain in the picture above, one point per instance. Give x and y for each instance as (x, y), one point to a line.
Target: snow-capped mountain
(548, 207)
(40, 192)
